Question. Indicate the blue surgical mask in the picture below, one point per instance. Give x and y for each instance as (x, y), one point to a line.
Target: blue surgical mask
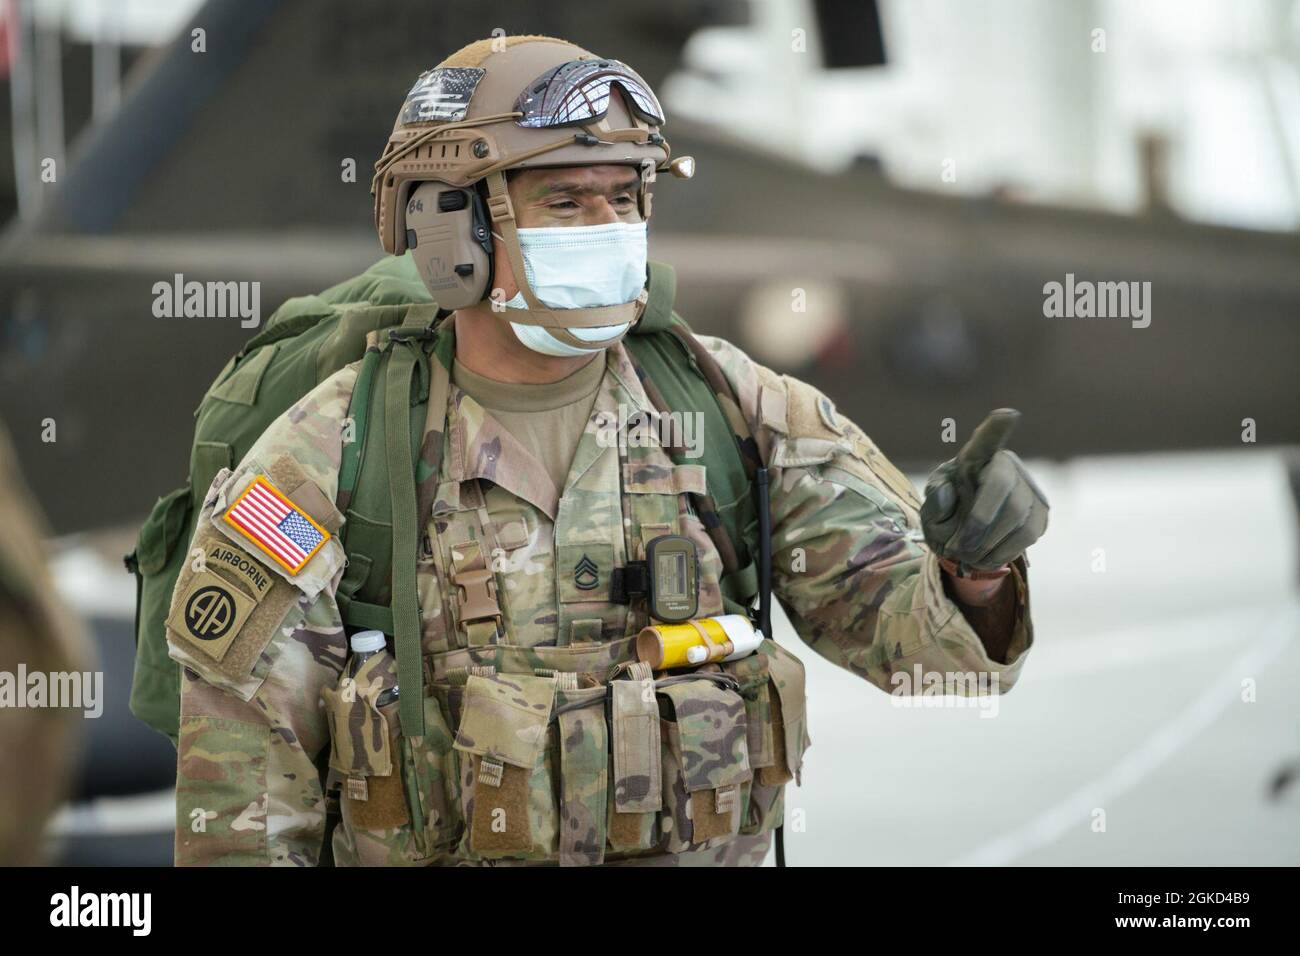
(579, 267)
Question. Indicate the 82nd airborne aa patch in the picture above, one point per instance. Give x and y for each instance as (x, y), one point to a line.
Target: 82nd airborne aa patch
(279, 528)
(211, 613)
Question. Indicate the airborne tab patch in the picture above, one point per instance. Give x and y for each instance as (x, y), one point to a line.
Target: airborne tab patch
(250, 571)
(279, 528)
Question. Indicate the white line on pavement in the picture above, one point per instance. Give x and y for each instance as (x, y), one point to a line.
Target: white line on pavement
(1074, 810)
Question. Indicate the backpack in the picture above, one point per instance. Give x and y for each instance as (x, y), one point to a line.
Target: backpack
(308, 339)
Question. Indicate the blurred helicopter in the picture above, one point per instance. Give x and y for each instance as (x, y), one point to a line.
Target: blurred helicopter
(249, 162)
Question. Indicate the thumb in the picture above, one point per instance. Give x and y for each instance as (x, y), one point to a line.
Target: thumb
(986, 441)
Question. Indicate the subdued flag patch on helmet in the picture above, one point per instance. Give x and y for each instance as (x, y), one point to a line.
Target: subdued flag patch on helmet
(441, 95)
(279, 528)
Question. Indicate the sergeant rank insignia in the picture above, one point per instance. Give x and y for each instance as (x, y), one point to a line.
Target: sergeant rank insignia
(586, 575)
(276, 525)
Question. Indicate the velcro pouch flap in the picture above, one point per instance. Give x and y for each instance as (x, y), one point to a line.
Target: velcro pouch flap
(712, 735)
(503, 722)
(504, 717)
(756, 689)
(789, 717)
(638, 782)
(584, 777)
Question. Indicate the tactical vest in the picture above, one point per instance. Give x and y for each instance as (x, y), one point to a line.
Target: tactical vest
(574, 753)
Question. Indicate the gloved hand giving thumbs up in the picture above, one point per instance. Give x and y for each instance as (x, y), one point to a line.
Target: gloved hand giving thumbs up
(982, 508)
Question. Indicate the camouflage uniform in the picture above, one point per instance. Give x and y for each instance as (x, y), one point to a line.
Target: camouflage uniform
(550, 745)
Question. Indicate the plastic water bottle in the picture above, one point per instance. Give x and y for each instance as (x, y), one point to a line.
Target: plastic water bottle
(365, 645)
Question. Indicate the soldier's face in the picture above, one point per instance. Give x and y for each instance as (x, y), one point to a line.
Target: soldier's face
(567, 196)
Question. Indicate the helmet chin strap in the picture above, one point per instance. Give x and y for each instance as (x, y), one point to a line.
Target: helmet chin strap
(556, 321)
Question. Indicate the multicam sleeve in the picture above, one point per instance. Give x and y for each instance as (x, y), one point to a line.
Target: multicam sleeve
(850, 565)
(258, 639)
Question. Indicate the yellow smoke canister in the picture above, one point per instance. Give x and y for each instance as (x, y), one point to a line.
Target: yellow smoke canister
(723, 638)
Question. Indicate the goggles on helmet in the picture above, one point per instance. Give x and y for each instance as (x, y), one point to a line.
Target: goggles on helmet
(578, 92)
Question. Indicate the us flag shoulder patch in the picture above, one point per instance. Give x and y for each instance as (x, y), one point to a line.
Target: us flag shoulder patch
(276, 525)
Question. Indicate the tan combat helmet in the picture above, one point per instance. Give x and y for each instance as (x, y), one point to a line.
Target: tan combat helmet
(508, 103)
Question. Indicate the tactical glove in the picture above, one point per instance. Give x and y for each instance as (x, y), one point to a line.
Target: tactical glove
(982, 509)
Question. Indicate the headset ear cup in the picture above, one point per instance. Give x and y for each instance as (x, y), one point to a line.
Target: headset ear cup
(450, 243)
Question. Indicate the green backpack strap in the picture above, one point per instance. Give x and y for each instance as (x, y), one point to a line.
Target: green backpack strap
(661, 287)
(378, 472)
(658, 316)
(679, 374)
(366, 413)
(359, 413)
(728, 401)
(404, 362)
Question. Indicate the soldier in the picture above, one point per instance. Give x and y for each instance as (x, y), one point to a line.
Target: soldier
(517, 179)
(40, 748)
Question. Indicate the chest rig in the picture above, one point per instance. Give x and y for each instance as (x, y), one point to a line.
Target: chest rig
(526, 730)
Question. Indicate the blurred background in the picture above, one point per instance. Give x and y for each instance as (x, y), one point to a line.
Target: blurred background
(913, 173)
